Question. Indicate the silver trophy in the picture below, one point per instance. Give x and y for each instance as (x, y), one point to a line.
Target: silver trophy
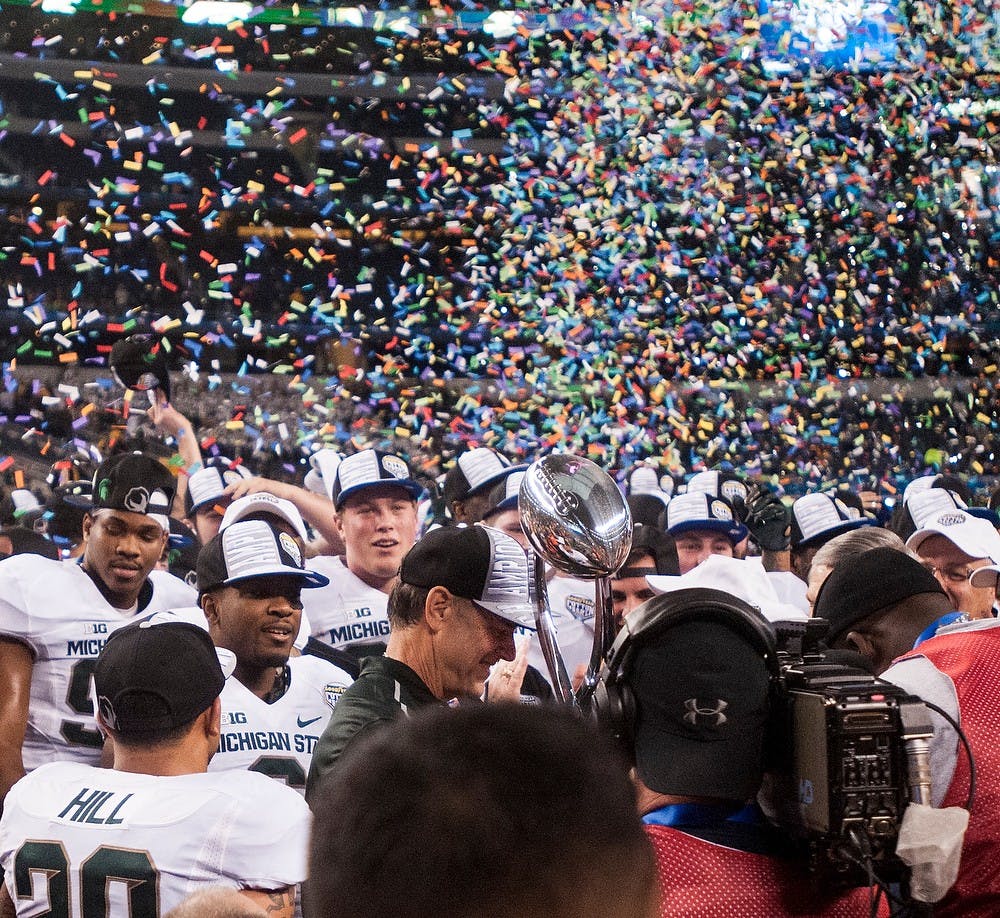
(577, 520)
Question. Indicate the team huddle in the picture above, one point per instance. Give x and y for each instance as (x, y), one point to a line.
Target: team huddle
(164, 735)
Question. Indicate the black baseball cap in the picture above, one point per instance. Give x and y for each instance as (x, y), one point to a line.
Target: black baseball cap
(872, 582)
(135, 482)
(248, 549)
(477, 563)
(154, 676)
(821, 516)
(702, 705)
(139, 363)
(504, 494)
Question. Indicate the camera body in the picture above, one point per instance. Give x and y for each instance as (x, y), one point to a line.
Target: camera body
(849, 753)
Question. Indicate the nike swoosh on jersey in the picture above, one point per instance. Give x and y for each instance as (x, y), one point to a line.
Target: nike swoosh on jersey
(305, 723)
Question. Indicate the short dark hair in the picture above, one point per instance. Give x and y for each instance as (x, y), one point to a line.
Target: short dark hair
(406, 604)
(159, 739)
(480, 811)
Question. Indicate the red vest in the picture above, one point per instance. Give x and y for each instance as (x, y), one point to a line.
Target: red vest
(972, 661)
(699, 879)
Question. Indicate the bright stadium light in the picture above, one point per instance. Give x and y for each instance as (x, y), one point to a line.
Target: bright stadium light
(502, 24)
(216, 12)
(66, 7)
(346, 16)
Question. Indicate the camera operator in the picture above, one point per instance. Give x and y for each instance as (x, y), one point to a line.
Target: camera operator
(890, 609)
(688, 689)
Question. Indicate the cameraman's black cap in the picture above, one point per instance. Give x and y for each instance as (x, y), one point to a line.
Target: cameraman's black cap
(702, 702)
(873, 582)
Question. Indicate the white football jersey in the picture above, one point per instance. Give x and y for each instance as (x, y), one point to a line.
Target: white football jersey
(56, 610)
(347, 611)
(571, 603)
(277, 739)
(78, 841)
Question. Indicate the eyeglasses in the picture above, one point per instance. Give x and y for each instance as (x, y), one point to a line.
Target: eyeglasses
(951, 574)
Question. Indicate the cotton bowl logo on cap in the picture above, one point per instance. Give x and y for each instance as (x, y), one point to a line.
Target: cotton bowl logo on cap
(951, 519)
(395, 466)
(720, 511)
(733, 490)
(291, 547)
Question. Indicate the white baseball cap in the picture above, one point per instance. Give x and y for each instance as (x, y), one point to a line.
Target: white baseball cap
(970, 534)
(323, 472)
(745, 579)
(262, 502)
(929, 502)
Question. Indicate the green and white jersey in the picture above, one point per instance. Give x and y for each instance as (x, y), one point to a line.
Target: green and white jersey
(347, 612)
(278, 739)
(55, 609)
(78, 841)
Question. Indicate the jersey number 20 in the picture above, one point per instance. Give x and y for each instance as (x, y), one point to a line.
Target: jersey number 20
(106, 864)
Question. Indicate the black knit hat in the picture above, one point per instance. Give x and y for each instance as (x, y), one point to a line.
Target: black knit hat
(874, 581)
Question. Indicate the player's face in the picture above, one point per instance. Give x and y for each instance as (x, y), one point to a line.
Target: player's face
(120, 549)
(628, 593)
(695, 546)
(952, 566)
(817, 577)
(378, 526)
(208, 519)
(509, 521)
(471, 642)
(257, 619)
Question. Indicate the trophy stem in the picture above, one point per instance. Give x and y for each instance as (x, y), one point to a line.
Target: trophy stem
(604, 637)
(561, 684)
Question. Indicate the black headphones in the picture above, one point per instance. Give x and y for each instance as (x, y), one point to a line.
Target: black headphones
(613, 703)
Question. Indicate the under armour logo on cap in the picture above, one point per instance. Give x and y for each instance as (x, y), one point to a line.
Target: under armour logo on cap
(702, 714)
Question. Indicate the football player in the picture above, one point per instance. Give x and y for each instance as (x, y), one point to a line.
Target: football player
(139, 838)
(55, 616)
(275, 707)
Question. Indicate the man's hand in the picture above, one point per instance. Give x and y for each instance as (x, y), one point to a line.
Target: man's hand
(506, 676)
(768, 520)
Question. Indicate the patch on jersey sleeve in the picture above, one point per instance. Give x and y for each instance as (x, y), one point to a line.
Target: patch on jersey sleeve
(332, 692)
